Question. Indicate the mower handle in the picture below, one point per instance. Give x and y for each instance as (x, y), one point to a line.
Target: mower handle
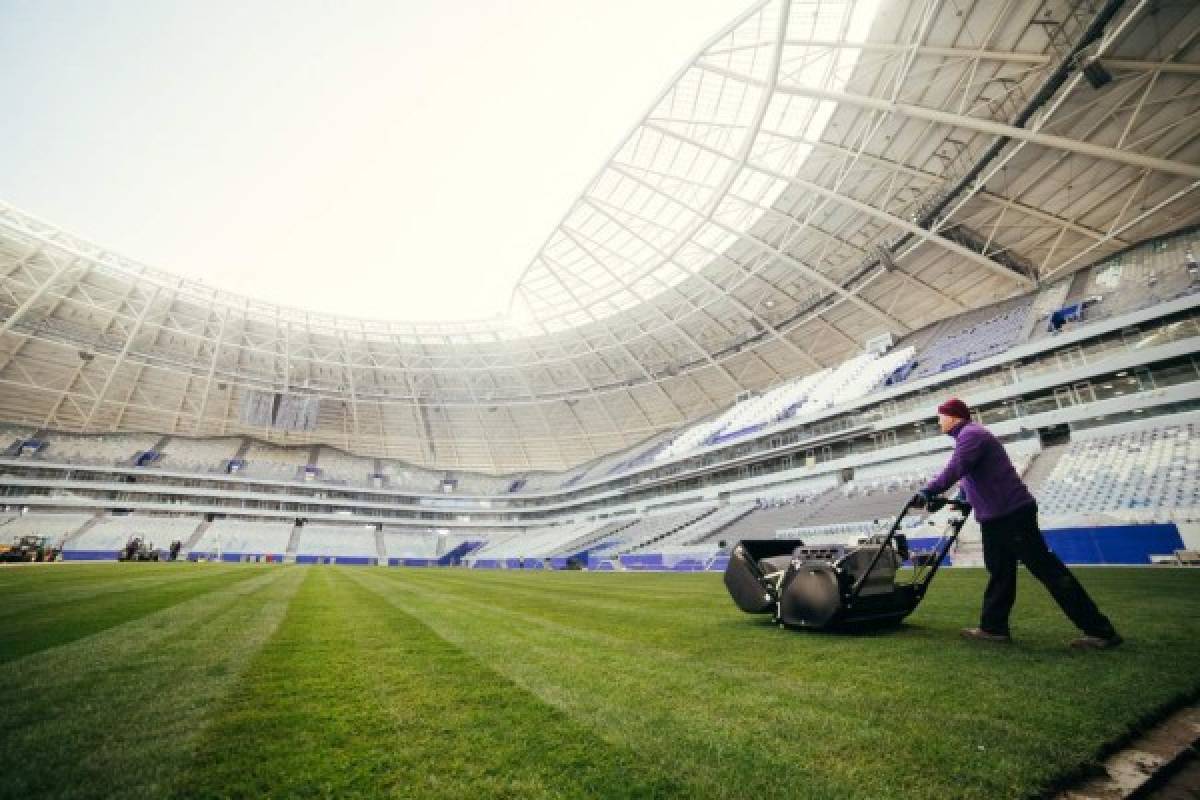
(960, 506)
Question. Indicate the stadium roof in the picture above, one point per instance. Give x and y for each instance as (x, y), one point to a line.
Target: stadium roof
(818, 173)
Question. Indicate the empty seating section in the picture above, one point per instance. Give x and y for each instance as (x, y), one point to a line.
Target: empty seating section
(1138, 472)
(11, 434)
(105, 450)
(877, 492)
(589, 537)
(198, 455)
(337, 541)
(334, 466)
(875, 500)
(598, 469)
(1045, 303)
(410, 544)
(274, 463)
(904, 471)
(851, 380)
(768, 518)
(542, 481)
(536, 543)
(705, 528)
(111, 533)
(974, 336)
(55, 527)
(476, 484)
(651, 528)
(1151, 273)
(625, 460)
(401, 475)
(245, 537)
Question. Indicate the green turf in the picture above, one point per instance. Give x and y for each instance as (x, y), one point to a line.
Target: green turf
(209, 681)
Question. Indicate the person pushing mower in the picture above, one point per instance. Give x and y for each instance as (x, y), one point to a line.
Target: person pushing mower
(1007, 514)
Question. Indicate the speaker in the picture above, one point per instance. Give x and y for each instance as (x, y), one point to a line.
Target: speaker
(1096, 74)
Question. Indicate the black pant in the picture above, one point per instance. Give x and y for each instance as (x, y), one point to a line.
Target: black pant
(1016, 536)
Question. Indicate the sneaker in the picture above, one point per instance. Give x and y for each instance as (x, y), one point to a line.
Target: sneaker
(980, 635)
(1096, 642)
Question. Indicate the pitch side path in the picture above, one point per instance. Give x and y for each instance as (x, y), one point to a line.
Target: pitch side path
(144, 680)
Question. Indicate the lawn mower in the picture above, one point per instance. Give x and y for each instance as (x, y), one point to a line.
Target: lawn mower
(138, 549)
(838, 587)
(28, 549)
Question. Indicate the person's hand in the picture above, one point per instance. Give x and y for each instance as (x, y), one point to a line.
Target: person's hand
(922, 499)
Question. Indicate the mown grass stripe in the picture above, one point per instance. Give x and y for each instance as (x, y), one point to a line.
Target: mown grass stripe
(134, 577)
(457, 683)
(70, 619)
(919, 696)
(354, 698)
(116, 714)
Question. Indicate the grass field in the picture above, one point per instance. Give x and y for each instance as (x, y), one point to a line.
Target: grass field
(140, 680)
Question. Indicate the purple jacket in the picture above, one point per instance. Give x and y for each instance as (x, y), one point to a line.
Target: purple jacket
(992, 486)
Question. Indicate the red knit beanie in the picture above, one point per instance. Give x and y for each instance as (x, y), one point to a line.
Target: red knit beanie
(955, 408)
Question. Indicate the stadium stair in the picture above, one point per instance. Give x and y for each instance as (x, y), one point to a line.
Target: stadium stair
(714, 534)
(380, 548)
(186, 551)
(1042, 465)
(293, 545)
(84, 528)
(643, 545)
(589, 539)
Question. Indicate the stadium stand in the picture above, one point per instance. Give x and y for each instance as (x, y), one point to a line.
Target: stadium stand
(703, 529)
(973, 336)
(345, 544)
(1140, 277)
(55, 527)
(590, 537)
(399, 475)
(106, 449)
(275, 463)
(109, 534)
(541, 481)
(335, 466)
(536, 543)
(410, 544)
(775, 515)
(653, 528)
(233, 539)
(475, 484)
(1146, 473)
(1141, 471)
(812, 394)
(12, 435)
(198, 455)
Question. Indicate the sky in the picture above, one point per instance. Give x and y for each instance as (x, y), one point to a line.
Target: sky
(397, 160)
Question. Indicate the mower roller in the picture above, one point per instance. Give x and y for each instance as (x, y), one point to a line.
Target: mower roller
(836, 587)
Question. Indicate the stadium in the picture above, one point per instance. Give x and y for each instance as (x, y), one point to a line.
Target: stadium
(484, 558)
